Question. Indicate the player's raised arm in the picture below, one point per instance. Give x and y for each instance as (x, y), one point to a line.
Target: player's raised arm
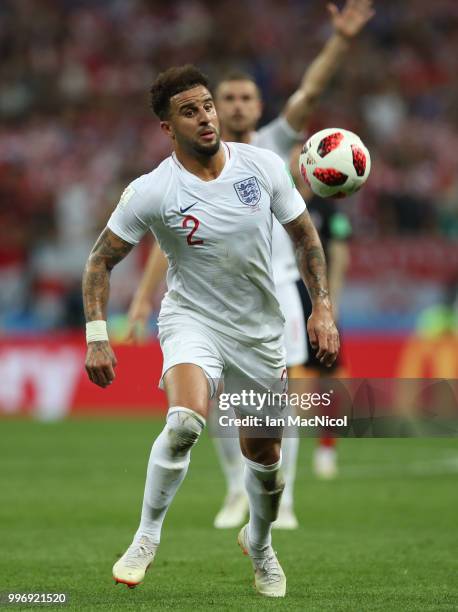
(347, 23)
(141, 306)
(106, 253)
(322, 331)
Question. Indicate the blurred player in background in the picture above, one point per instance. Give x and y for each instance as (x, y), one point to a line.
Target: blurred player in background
(335, 231)
(239, 105)
(220, 317)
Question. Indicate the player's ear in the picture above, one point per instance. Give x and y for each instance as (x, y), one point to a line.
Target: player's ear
(166, 127)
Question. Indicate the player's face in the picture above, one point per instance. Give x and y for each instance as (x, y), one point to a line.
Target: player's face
(239, 106)
(193, 123)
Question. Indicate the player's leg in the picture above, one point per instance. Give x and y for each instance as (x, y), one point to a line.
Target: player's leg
(234, 510)
(264, 484)
(191, 363)
(259, 369)
(286, 516)
(187, 390)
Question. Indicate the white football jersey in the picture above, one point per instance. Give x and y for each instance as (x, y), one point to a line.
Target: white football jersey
(279, 136)
(217, 236)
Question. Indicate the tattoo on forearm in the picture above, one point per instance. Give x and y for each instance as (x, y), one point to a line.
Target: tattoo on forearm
(309, 255)
(316, 267)
(106, 253)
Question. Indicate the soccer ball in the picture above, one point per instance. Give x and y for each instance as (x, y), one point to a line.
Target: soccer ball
(334, 163)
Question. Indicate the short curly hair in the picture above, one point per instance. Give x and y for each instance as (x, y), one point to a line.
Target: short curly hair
(171, 82)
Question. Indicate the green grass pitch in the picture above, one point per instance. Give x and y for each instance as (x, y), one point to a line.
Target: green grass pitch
(382, 537)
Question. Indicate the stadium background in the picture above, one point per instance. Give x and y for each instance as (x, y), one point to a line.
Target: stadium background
(75, 129)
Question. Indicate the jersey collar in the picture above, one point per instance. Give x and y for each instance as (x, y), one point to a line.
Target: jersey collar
(229, 154)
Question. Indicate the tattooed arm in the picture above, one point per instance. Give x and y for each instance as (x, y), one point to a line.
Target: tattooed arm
(106, 253)
(312, 265)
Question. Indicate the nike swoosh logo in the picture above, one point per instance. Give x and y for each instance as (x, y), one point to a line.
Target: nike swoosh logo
(183, 210)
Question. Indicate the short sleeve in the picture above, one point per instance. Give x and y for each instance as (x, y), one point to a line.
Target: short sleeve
(287, 203)
(278, 136)
(128, 218)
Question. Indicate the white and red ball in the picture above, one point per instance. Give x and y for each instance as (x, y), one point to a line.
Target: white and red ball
(334, 163)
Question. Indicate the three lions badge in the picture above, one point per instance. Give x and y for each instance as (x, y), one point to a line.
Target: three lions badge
(248, 191)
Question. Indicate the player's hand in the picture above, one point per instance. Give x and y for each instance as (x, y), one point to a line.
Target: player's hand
(100, 363)
(323, 335)
(352, 18)
(137, 321)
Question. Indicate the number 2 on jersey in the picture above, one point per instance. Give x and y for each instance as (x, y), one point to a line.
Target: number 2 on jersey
(189, 219)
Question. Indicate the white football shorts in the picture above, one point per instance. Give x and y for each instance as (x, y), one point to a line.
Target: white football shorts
(221, 357)
(295, 332)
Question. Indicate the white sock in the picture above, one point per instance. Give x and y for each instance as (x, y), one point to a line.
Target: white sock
(264, 486)
(230, 457)
(167, 467)
(226, 440)
(289, 450)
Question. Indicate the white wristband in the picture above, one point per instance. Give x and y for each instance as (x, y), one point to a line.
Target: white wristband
(96, 331)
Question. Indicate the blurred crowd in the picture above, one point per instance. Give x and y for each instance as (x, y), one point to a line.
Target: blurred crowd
(75, 126)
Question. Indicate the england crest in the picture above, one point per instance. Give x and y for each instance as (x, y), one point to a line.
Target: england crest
(248, 191)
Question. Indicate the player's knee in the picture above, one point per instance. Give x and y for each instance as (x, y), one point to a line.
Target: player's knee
(267, 455)
(184, 427)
